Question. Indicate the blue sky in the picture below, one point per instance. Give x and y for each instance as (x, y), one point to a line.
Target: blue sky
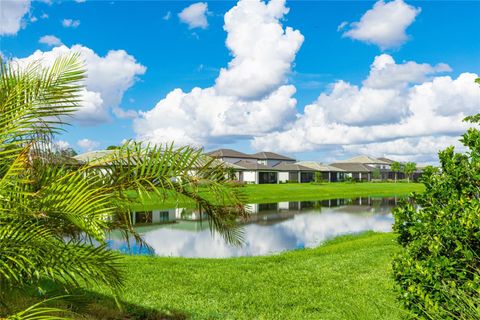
(188, 54)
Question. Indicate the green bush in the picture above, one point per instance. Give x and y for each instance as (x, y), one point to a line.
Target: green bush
(440, 234)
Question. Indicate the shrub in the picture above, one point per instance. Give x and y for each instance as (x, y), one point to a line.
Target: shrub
(440, 234)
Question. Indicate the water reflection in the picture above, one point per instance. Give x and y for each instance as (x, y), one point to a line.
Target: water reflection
(271, 228)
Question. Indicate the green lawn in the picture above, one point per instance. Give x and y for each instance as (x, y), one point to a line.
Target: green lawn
(264, 193)
(348, 278)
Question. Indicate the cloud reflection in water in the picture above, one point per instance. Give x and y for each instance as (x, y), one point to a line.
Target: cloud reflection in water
(302, 229)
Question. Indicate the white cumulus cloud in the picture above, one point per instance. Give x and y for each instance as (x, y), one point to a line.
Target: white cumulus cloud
(70, 23)
(406, 104)
(384, 25)
(87, 144)
(50, 40)
(108, 78)
(420, 150)
(250, 96)
(11, 15)
(195, 15)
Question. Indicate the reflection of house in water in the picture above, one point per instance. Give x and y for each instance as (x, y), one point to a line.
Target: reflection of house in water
(265, 213)
(153, 216)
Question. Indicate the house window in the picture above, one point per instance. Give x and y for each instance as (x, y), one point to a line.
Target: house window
(164, 216)
(267, 177)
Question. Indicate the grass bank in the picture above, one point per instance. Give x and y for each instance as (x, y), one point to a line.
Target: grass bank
(347, 278)
(265, 193)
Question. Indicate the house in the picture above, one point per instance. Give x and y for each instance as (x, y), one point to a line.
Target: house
(389, 174)
(271, 159)
(257, 173)
(294, 172)
(355, 171)
(259, 168)
(328, 173)
(365, 168)
(231, 156)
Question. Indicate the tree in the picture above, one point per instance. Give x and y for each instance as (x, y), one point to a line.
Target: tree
(44, 202)
(396, 167)
(438, 271)
(318, 177)
(409, 169)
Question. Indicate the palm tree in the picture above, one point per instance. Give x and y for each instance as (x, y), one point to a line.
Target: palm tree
(54, 214)
(409, 169)
(396, 167)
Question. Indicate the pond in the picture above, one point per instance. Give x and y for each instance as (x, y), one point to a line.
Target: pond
(271, 228)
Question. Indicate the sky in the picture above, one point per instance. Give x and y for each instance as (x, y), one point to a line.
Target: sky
(316, 80)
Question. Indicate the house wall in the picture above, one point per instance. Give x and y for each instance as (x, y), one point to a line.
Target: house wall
(250, 176)
(163, 216)
(283, 176)
(283, 206)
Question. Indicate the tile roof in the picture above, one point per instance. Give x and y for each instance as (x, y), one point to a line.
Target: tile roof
(253, 166)
(389, 161)
(285, 166)
(271, 155)
(319, 166)
(352, 167)
(229, 153)
(364, 160)
(92, 155)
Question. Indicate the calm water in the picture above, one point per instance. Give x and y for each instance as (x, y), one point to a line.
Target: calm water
(272, 228)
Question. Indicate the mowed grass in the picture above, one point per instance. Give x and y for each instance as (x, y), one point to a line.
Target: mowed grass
(347, 278)
(265, 193)
(262, 193)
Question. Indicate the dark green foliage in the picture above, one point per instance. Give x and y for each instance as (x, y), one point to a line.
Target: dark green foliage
(438, 272)
(376, 173)
(396, 167)
(409, 168)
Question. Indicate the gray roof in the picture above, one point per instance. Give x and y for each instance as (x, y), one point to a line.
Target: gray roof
(231, 165)
(389, 161)
(253, 166)
(285, 166)
(363, 159)
(271, 155)
(229, 153)
(352, 167)
(319, 166)
(93, 155)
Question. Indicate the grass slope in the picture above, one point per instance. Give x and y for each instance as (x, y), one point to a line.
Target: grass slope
(348, 278)
(264, 193)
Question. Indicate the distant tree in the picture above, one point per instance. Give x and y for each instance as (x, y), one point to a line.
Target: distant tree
(376, 173)
(113, 147)
(318, 177)
(231, 173)
(396, 167)
(409, 169)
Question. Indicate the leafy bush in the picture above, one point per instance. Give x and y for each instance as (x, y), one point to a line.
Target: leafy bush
(437, 272)
(291, 181)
